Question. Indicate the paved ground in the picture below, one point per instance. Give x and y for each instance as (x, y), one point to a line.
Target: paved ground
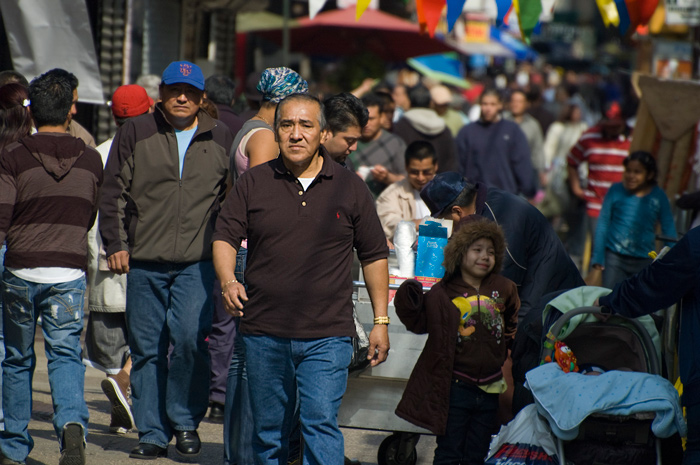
(109, 449)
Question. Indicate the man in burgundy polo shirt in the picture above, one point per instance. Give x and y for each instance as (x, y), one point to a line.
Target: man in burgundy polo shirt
(302, 214)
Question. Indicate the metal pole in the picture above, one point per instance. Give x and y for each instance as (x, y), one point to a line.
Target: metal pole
(126, 46)
(695, 40)
(285, 33)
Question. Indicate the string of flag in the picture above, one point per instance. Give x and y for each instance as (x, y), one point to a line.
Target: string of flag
(626, 15)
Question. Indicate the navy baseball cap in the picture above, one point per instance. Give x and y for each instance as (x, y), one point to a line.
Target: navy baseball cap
(184, 72)
(442, 191)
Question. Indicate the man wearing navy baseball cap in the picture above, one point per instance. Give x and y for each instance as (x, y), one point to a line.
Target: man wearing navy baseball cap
(164, 181)
(535, 260)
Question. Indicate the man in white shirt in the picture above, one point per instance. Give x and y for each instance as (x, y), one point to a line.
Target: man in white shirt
(401, 201)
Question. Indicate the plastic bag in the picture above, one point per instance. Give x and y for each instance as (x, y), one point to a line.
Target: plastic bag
(432, 239)
(360, 345)
(526, 440)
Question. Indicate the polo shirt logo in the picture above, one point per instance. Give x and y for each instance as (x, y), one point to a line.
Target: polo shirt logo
(185, 69)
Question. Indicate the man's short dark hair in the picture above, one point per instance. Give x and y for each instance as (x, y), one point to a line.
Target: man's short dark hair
(419, 97)
(465, 198)
(373, 100)
(10, 76)
(387, 99)
(517, 91)
(419, 150)
(492, 91)
(220, 89)
(66, 75)
(305, 98)
(534, 95)
(51, 97)
(344, 110)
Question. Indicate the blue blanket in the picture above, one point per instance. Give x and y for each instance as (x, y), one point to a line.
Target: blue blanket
(566, 399)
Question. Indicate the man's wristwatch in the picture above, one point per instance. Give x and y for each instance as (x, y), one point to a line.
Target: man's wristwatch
(381, 320)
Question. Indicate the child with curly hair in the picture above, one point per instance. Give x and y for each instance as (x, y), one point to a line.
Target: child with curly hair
(470, 317)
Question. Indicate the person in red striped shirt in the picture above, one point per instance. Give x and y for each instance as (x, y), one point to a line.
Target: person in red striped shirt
(603, 147)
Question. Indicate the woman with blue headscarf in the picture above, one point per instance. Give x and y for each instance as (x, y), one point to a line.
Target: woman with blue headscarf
(255, 143)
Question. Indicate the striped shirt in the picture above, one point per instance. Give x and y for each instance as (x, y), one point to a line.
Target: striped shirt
(49, 184)
(604, 158)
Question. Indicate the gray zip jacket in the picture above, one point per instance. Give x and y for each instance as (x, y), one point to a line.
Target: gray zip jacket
(146, 208)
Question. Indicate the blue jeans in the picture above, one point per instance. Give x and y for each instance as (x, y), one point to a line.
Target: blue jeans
(470, 422)
(61, 308)
(314, 369)
(169, 304)
(3, 249)
(238, 417)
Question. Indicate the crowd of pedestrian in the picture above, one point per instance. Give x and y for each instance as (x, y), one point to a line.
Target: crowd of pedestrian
(216, 248)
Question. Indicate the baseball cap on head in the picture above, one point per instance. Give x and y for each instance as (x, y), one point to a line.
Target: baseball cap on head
(613, 111)
(184, 72)
(130, 100)
(444, 189)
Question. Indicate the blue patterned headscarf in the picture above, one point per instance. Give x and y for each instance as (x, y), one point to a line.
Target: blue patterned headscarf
(276, 83)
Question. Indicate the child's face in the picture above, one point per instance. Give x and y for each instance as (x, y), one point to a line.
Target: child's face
(479, 259)
(636, 176)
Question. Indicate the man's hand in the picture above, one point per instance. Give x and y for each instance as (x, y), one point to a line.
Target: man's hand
(378, 345)
(380, 174)
(119, 262)
(234, 296)
(383, 175)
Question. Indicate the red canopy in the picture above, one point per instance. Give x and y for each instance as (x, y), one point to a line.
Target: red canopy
(337, 33)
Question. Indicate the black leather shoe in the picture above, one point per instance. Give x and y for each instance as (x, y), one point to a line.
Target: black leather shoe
(187, 443)
(148, 452)
(216, 413)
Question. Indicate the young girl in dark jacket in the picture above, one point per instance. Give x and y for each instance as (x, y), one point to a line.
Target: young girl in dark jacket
(470, 317)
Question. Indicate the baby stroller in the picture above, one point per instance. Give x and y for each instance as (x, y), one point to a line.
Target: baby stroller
(610, 418)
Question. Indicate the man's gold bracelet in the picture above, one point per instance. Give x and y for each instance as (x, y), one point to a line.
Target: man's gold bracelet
(225, 285)
(381, 320)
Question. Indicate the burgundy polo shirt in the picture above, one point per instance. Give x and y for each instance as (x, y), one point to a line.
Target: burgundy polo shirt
(300, 247)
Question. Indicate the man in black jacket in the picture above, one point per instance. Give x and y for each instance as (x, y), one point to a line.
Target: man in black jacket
(535, 258)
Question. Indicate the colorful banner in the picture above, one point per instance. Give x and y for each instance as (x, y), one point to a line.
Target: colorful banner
(608, 11)
(528, 12)
(454, 11)
(360, 8)
(433, 12)
(315, 6)
(640, 11)
(504, 7)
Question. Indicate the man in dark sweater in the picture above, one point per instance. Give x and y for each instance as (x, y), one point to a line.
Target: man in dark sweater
(495, 151)
(49, 184)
